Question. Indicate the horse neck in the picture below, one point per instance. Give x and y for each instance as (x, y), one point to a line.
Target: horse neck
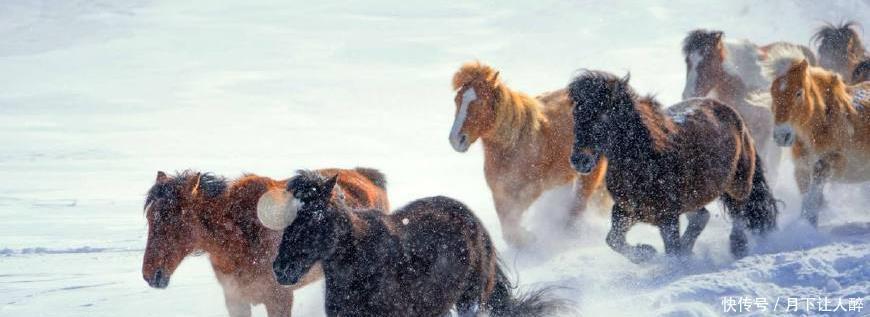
(646, 134)
(221, 219)
(828, 99)
(519, 119)
(731, 89)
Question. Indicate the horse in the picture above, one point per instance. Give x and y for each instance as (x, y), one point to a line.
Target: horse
(731, 71)
(192, 212)
(525, 143)
(827, 125)
(862, 72)
(663, 164)
(840, 48)
(421, 260)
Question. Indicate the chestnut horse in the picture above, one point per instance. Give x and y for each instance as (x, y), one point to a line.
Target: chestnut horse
(661, 165)
(827, 125)
(732, 73)
(840, 49)
(191, 212)
(422, 260)
(526, 142)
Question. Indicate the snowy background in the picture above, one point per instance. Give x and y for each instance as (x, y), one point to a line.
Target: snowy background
(96, 96)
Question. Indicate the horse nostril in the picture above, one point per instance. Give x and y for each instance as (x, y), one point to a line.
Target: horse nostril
(462, 138)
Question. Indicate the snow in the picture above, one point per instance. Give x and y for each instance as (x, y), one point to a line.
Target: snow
(98, 96)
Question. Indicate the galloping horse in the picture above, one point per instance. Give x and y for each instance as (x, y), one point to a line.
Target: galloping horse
(422, 260)
(840, 49)
(192, 211)
(732, 73)
(525, 141)
(663, 165)
(826, 123)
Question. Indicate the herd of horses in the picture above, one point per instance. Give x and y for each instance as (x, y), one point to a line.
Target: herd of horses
(742, 103)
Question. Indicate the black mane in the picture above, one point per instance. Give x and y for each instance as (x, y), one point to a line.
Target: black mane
(701, 39)
(305, 185)
(210, 184)
(830, 36)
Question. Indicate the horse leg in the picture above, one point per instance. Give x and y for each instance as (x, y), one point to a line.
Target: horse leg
(510, 215)
(585, 186)
(669, 228)
(619, 225)
(697, 222)
(739, 242)
(281, 303)
(237, 307)
(814, 198)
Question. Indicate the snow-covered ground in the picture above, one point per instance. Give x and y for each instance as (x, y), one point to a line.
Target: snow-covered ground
(96, 96)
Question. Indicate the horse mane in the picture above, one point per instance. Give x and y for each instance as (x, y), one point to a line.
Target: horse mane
(210, 184)
(701, 39)
(830, 36)
(642, 114)
(780, 59)
(517, 113)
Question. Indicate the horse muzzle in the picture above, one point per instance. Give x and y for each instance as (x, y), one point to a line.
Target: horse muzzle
(784, 135)
(160, 279)
(287, 275)
(583, 163)
(460, 142)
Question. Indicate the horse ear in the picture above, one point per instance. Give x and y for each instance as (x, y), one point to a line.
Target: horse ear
(624, 80)
(494, 77)
(718, 35)
(161, 176)
(803, 65)
(329, 186)
(195, 190)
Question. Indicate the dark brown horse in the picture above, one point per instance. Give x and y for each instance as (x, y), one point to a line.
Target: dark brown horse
(840, 49)
(663, 165)
(192, 211)
(422, 260)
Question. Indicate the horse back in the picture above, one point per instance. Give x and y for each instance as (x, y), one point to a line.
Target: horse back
(714, 145)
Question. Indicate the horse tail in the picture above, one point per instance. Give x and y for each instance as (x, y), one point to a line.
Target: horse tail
(759, 210)
(373, 175)
(504, 302)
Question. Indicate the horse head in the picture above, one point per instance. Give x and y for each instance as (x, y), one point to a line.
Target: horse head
(476, 87)
(310, 237)
(704, 53)
(171, 210)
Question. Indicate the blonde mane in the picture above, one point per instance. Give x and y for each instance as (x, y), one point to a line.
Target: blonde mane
(780, 59)
(517, 114)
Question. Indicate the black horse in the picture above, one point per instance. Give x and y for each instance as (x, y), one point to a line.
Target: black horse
(423, 260)
(661, 165)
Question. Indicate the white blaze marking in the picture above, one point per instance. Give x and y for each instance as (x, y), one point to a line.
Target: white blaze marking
(692, 79)
(467, 98)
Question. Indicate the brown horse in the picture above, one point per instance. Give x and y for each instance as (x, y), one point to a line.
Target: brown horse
(192, 211)
(526, 143)
(840, 48)
(732, 73)
(826, 123)
(663, 165)
(422, 260)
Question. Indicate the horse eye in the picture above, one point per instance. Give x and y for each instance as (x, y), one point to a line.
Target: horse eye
(799, 93)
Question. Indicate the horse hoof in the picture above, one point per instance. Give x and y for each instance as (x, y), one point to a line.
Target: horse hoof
(642, 253)
(739, 246)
